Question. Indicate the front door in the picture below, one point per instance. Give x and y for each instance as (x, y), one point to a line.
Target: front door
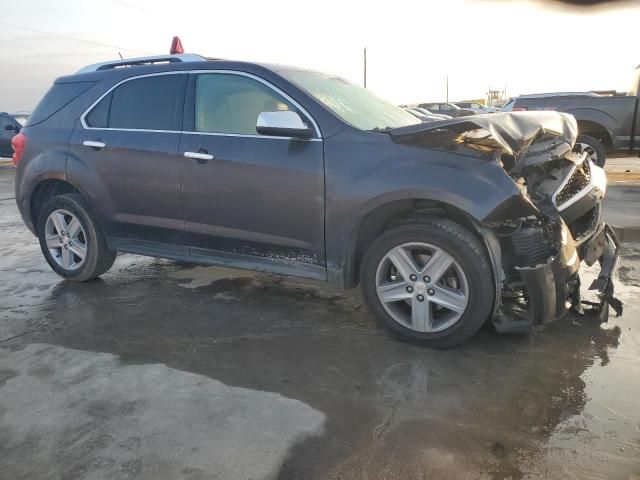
(253, 199)
(129, 143)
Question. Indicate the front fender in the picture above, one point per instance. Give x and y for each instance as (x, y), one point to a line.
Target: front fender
(477, 186)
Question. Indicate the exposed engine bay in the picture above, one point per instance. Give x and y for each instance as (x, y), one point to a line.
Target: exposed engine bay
(553, 225)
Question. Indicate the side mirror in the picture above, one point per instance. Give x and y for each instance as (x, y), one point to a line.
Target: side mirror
(283, 123)
(10, 127)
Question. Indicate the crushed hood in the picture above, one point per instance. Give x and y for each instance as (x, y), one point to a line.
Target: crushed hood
(529, 138)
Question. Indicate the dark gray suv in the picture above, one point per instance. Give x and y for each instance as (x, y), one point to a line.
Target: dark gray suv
(445, 225)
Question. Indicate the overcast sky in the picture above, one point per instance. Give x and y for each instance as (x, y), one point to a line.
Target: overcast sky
(412, 45)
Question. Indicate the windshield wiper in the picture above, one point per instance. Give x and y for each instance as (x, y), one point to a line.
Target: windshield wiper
(381, 129)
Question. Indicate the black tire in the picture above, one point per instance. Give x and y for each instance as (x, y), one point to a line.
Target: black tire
(99, 258)
(599, 151)
(465, 249)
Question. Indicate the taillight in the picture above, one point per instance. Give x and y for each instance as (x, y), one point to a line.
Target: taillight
(519, 109)
(18, 143)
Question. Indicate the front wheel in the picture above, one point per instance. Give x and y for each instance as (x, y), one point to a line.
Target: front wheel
(71, 240)
(429, 282)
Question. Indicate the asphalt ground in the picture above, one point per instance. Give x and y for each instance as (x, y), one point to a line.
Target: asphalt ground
(164, 370)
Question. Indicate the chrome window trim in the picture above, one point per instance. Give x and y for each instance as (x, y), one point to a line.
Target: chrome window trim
(317, 137)
(247, 135)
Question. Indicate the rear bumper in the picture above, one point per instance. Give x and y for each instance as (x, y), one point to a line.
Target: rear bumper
(553, 288)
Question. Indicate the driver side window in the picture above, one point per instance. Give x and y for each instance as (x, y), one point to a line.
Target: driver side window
(228, 103)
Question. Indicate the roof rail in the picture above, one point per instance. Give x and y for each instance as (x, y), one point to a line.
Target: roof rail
(132, 62)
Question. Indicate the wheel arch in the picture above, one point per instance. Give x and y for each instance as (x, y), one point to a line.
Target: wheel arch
(397, 211)
(595, 123)
(47, 188)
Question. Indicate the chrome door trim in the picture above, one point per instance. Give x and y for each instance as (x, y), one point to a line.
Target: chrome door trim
(318, 134)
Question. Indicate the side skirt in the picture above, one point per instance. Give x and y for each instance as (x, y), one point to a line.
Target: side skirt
(202, 256)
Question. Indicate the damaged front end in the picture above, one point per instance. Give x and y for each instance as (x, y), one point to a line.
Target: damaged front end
(541, 250)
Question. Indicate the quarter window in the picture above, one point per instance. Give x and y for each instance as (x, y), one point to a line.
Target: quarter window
(149, 103)
(228, 103)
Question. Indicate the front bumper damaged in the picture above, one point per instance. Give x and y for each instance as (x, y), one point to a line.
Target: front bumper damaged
(542, 235)
(553, 288)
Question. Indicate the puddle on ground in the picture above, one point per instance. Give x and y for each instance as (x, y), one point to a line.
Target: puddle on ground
(201, 276)
(87, 415)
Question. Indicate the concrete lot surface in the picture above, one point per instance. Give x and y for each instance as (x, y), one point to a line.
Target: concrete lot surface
(162, 370)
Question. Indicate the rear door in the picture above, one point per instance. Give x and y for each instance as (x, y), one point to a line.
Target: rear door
(250, 196)
(128, 143)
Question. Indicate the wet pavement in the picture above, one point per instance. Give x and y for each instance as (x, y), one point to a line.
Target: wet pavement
(167, 370)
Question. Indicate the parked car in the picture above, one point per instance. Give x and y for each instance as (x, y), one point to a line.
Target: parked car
(446, 109)
(21, 117)
(476, 107)
(289, 171)
(425, 115)
(9, 127)
(439, 116)
(606, 123)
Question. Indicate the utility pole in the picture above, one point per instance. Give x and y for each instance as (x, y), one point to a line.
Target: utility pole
(365, 67)
(447, 88)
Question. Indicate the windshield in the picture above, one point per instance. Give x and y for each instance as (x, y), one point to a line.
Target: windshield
(353, 104)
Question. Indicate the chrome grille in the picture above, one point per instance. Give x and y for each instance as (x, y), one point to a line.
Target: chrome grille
(577, 182)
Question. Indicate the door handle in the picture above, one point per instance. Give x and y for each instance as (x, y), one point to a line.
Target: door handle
(93, 144)
(200, 156)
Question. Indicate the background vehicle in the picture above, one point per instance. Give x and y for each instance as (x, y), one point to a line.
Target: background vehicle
(300, 173)
(476, 107)
(440, 116)
(605, 122)
(446, 109)
(21, 117)
(9, 127)
(425, 115)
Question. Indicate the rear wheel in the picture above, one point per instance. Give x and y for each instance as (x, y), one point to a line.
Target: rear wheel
(71, 240)
(592, 147)
(428, 282)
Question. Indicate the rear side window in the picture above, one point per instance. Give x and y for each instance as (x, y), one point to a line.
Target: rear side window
(58, 96)
(149, 103)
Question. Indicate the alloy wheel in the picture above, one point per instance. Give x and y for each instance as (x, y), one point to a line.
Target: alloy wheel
(66, 239)
(422, 287)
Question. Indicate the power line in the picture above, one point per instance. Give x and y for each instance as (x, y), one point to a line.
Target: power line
(67, 37)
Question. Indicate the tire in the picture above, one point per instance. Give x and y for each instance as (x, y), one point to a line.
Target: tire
(97, 256)
(595, 149)
(470, 261)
